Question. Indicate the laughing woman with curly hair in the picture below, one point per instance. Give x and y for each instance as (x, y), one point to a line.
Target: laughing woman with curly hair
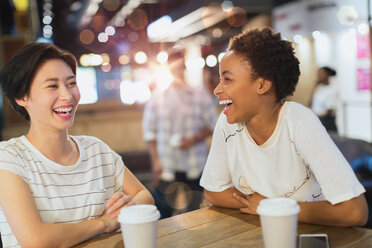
(265, 146)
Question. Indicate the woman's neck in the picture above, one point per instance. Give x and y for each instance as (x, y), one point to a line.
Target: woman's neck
(262, 126)
(57, 146)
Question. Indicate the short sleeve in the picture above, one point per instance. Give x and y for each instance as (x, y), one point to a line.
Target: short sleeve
(216, 176)
(10, 161)
(330, 168)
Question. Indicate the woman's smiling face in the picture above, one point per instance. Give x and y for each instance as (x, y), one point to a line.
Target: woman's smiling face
(53, 97)
(237, 88)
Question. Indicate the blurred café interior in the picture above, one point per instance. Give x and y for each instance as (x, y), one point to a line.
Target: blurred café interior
(121, 47)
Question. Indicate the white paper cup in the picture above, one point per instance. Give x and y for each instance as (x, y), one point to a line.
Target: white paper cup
(278, 217)
(139, 226)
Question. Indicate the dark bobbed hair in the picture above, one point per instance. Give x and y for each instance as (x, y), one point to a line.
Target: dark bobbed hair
(331, 72)
(18, 73)
(271, 58)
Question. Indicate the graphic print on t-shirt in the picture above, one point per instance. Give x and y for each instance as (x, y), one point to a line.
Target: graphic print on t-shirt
(244, 186)
(230, 135)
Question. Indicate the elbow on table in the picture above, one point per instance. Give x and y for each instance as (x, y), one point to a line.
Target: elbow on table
(360, 217)
(209, 196)
(357, 212)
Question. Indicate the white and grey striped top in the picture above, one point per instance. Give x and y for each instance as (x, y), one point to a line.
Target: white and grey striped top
(63, 194)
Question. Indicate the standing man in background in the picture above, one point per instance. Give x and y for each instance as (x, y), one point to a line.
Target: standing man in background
(176, 123)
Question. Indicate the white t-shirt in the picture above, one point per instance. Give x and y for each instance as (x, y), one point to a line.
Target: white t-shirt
(298, 161)
(63, 194)
(324, 99)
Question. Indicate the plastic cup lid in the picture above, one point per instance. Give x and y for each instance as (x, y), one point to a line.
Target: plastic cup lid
(278, 207)
(138, 214)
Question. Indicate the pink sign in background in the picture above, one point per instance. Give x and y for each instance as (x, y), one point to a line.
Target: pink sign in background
(363, 46)
(363, 77)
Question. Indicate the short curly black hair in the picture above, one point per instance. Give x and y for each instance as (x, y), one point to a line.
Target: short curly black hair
(18, 73)
(270, 57)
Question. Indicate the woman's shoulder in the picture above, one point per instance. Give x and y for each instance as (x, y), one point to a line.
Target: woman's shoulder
(13, 145)
(299, 115)
(297, 111)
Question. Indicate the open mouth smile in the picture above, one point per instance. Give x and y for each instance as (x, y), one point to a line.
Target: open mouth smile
(63, 111)
(226, 102)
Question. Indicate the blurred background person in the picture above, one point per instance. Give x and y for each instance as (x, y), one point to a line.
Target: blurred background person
(176, 123)
(324, 98)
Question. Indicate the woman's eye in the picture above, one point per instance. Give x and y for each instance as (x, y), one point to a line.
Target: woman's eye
(54, 86)
(72, 83)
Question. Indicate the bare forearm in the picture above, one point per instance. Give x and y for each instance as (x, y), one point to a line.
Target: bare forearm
(224, 198)
(349, 213)
(63, 235)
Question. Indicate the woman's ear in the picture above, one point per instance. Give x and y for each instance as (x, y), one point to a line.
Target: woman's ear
(264, 86)
(21, 101)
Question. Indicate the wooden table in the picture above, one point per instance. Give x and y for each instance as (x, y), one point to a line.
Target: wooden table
(215, 227)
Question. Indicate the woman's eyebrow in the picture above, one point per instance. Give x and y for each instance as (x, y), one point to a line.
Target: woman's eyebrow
(226, 72)
(56, 79)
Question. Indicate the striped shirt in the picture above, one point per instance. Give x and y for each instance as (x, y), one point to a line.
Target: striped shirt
(182, 112)
(63, 194)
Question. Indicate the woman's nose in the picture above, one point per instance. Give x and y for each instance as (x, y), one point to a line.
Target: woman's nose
(217, 90)
(65, 93)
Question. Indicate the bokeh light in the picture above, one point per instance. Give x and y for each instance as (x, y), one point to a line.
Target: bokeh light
(217, 32)
(196, 63)
(211, 60)
(106, 67)
(102, 37)
(220, 56)
(124, 59)
(363, 28)
(140, 57)
(237, 17)
(86, 36)
(138, 19)
(162, 57)
(111, 5)
(110, 30)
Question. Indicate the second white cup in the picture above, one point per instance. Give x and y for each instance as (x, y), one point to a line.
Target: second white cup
(278, 217)
(139, 226)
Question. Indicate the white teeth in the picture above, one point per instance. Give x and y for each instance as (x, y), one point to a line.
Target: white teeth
(223, 102)
(63, 109)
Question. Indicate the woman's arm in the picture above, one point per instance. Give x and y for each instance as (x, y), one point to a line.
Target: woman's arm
(224, 198)
(135, 189)
(23, 217)
(353, 212)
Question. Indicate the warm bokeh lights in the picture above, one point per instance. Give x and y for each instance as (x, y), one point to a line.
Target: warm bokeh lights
(86, 36)
(140, 57)
(162, 57)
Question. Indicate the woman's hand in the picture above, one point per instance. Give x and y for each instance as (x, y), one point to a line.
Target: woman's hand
(250, 202)
(118, 201)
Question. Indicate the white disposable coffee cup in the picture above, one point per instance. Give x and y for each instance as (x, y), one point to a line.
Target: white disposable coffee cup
(278, 217)
(139, 226)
